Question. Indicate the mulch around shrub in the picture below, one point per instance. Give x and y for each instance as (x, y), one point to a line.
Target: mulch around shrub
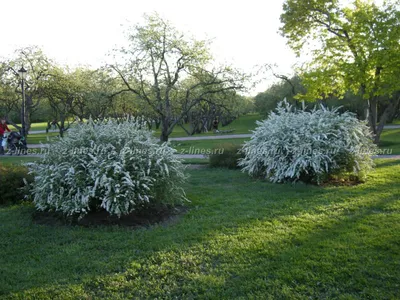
(143, 218)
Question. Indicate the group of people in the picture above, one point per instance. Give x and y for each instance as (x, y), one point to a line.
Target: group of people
(3, 129)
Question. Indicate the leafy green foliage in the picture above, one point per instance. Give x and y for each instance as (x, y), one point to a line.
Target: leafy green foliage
(115, 167)
(172, 73)
(309, 146)
(355, 47)
(226, 156)
(12, 183)
(267, 101)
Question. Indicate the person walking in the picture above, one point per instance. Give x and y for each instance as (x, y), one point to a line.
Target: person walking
(3, 129)
(215, 125)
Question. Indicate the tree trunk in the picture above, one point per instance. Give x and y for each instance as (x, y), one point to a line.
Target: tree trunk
(373, 116)
(164, 129)
(387, 114)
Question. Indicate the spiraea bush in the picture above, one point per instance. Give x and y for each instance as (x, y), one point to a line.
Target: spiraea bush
(310, 146)
(117, 167)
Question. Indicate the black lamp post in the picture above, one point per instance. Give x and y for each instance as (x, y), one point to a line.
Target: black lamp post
(21, 73)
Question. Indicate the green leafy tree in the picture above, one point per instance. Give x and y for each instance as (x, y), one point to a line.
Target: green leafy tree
(37, 66)
(353, 48)
(286, 88)
(157, 61)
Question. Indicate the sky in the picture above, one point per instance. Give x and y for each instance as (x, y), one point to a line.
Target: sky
(243, 33)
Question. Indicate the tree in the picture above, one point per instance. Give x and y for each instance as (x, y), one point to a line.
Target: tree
(287, 88)
(356, 48)
(159, 60)
(37, 66)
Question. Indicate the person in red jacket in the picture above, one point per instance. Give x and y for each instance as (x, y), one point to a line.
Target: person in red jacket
(3, 129)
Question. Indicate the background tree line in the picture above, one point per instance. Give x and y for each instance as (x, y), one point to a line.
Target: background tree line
(163, 76)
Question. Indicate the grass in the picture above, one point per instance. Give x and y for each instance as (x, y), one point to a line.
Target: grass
(195, 161)
(396, 122)
(241, 125)
(40, 138)
(8, 160)
(34, 126)
(242, 238)
(390, 141)
(202, 146)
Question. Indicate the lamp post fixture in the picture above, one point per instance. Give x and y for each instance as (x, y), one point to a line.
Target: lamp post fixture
(21, 73)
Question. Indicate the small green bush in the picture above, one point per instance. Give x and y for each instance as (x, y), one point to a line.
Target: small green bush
(226, 156)
(12, 183)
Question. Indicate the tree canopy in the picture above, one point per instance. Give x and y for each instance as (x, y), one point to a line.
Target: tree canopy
(353, 47)
(171, 72)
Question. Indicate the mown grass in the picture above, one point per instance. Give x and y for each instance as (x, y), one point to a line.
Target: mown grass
(17, 160)
(43, 138)
(241, 125)
(390, 141)
(34, 126)
(203, 146)
(396, 122)
(242, 238)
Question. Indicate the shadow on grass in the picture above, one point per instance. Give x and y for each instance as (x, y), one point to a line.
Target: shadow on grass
(240, 235)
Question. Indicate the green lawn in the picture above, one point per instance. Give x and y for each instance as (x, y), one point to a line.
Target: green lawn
(241, 238)
(390, 141)
(34, 126)
(8, 160)
(202, 146)
(396, 122)
(241, 125)
(41, 138)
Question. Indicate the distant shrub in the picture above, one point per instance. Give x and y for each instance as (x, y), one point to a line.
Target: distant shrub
(12, 183)
(114, 167)
(309, 146)
(226, 156)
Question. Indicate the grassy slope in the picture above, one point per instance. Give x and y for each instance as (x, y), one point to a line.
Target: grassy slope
(390, 140)
(241, 238)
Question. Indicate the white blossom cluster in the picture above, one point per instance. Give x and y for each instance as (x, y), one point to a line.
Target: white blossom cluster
(115, 171)
(295, 144)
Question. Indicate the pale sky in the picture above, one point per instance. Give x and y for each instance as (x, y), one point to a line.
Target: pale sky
(244, 33)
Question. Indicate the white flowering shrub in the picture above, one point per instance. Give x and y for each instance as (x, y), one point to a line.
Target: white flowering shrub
(310, 146)
(116, 167)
